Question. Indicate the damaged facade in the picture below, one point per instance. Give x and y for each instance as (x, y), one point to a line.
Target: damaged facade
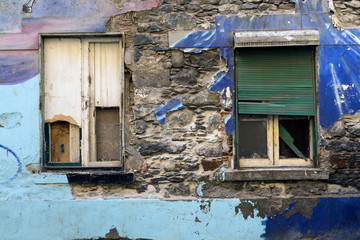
(156, 119)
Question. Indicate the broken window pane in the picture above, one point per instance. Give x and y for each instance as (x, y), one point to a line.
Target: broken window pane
(253, 138)
(299, 131)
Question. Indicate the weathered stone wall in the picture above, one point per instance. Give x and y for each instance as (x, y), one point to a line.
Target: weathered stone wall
(342, 143)
(347, 12)
(175, 133)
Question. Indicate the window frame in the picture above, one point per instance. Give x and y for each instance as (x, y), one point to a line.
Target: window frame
(250, 39)
(273, 147)
(84, 129)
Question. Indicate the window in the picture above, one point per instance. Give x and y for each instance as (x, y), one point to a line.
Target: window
(276, 106)
(82, 102)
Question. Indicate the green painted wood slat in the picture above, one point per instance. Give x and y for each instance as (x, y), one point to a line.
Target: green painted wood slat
(278, 81)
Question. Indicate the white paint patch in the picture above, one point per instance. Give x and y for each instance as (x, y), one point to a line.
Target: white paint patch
(199, 188)
(345, 87)
(228, 97)
(336, 89)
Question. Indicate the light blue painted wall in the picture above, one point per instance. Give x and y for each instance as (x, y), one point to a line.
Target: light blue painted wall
(150, 219)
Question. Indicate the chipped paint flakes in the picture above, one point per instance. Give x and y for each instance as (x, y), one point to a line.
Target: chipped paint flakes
(10, 120)
(172, 105)
(199, 189)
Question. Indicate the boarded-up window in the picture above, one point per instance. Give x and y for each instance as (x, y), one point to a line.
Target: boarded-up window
(82, 107)
(276, 106)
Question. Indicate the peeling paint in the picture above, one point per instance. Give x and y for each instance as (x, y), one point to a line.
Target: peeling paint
(220, 175)
(10, 120)
(199, 189)
(172, 105)
(64, 118)
(230, 124)
(194, 50)
(247, 209)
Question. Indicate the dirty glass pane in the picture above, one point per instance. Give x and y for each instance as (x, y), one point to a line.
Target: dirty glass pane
(299, 131)
(253, 139)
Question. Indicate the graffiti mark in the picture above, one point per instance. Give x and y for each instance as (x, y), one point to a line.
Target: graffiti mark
(7, 167)
(27, 7)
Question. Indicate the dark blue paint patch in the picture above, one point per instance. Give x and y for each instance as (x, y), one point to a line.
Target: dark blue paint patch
(172, 105)
(18, 163)
(62, 146)
(339, 88)
(332, 218)
(223, 82)
(230, 124)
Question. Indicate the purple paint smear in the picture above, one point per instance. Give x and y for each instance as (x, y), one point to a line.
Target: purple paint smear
(18, 66)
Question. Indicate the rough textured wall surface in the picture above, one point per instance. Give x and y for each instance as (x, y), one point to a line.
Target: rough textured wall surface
(346, 13)
(179, 74)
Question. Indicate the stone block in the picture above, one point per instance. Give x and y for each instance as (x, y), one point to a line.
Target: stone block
(141, 111)
(200, 99)
(205, 59)
(186, 77)
(153, 148)
(179, 189)
(211, 165)
(140, 126)
(147, 38)
(209, 150)
(180, 119)
(177, 59)
(153, 77)
(179, 21)
(191, 166)
(338, 129)
(338, 161)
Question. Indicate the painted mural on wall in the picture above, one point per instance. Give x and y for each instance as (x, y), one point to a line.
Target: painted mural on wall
(338, 93)
(339, 53)
(22, 29)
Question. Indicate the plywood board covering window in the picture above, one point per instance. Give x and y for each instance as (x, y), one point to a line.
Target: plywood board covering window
(82, 106)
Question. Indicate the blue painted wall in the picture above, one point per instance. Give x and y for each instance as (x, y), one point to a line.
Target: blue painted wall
(331, 219)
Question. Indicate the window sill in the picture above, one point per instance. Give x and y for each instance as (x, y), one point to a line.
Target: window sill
(277, 174)
(93, 175)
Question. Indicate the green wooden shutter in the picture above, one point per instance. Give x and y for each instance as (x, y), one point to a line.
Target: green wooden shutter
(275, 81)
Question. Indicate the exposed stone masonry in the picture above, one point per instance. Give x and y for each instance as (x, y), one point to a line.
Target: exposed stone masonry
(342, 141)
(347, 12)
(180, 157)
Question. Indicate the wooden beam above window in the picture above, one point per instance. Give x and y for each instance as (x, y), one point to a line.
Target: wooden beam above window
(276, 38)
